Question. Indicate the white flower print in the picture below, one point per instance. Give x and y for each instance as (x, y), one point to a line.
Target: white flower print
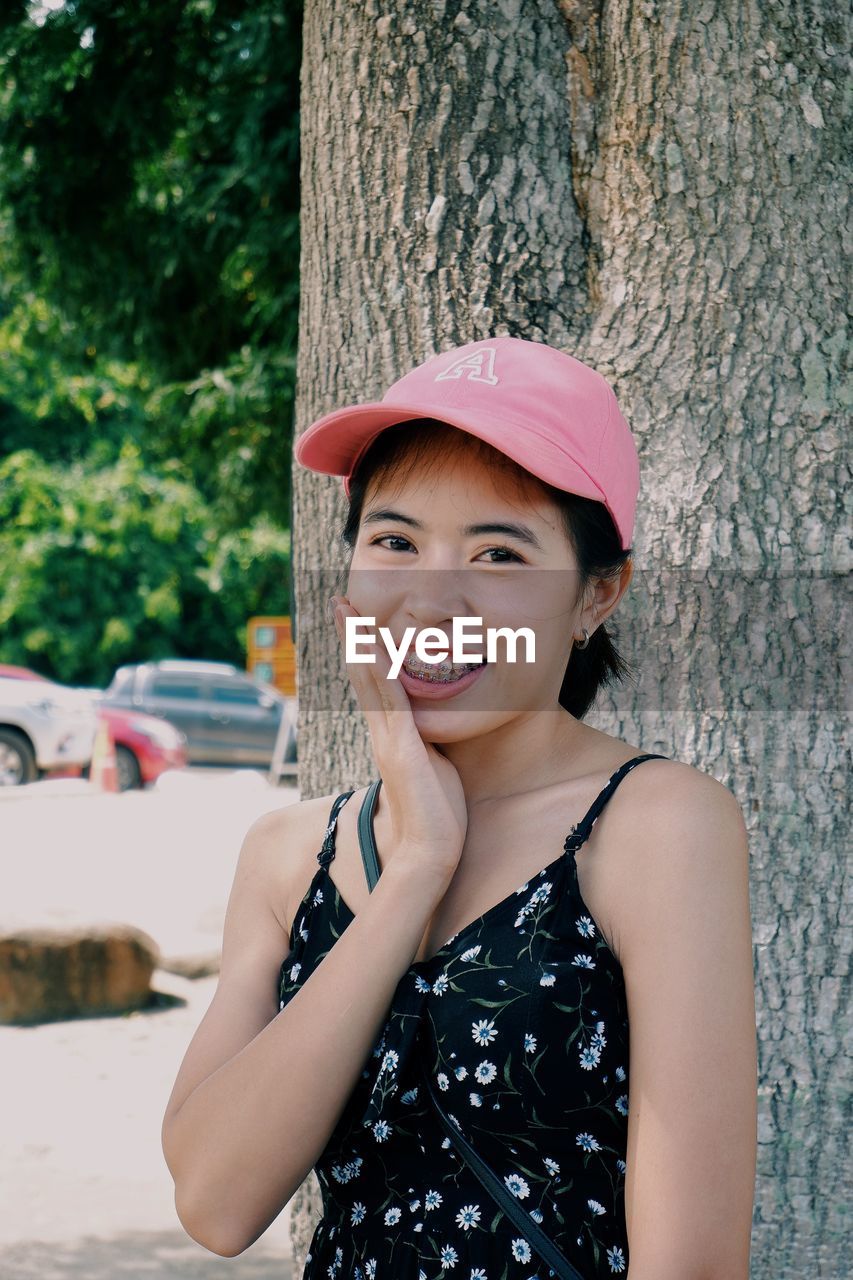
(517, 1185)
(440, 985)
(588, 1142)
(621, 1104)
(421, 984)
(621, 1166)
(537, 1215)
(551, 1165)
(432, 1200)
(392, 1216)
(521, 1250)
(294, 971)
(547, 980)
(484, 1031)
(381, 1130)
(358, 1212)
(449, 1256)
(596, 1207)
(616, 1258)
(584, 961)
(390, 1061)
(620, 1073)
(540, 895)
(485, 1072)
(529, 1043)
(442, 1081)
(345, 1173)
(460, 1072)
(585, 927)
(471, 953)
(468, 1217)
(589, 1058)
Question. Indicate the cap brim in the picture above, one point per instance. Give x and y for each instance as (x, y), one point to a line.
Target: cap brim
(334, 443)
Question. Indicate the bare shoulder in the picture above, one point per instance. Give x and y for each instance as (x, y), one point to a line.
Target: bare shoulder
(685, 940)
(282, 847)
(676, 843)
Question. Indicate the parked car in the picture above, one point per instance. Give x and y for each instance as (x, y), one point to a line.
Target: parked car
(43, 726)
(226, 715)
(145, 746)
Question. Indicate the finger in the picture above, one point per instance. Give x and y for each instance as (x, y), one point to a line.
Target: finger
(382, 698)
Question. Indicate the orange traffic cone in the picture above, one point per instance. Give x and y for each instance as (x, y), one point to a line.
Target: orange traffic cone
(103, 771)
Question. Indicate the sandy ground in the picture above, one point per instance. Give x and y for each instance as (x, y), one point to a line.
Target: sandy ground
(84, 1188)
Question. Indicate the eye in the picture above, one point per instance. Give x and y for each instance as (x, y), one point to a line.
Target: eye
(392, 537)
(511, 554)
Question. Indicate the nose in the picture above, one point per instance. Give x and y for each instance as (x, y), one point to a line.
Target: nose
(433, 597)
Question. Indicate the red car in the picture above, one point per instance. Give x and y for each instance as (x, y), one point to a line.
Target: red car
(145, 746)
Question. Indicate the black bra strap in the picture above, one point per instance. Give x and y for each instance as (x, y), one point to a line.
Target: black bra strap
(366, 839)
(324, 857)
(582, 829)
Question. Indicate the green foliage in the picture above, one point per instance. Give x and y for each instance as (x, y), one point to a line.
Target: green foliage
(113, 564)
(149, 199)
(151, 167)
(149, 249)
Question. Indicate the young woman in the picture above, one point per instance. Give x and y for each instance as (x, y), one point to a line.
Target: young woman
(516, 895)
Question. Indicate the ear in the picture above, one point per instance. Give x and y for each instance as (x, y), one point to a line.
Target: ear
(606, 594)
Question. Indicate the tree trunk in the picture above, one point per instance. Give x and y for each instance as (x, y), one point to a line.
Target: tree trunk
(655, 189)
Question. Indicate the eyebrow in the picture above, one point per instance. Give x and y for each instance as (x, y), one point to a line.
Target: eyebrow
(519, 531)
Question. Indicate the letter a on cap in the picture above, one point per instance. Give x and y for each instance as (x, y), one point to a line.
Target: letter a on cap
(477, 366)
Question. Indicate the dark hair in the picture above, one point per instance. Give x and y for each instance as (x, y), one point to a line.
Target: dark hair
(587, 523)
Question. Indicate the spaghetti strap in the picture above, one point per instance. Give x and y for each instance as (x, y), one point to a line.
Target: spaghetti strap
(327, 853)
(580, 831)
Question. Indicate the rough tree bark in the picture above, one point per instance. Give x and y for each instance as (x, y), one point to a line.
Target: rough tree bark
(654, 187)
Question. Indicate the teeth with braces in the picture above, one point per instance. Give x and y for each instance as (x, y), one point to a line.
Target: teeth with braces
(442, 672)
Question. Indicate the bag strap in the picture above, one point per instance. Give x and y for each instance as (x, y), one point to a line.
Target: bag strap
(544, 1246)
(369, 854)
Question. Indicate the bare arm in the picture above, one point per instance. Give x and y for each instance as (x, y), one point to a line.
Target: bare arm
(686, 949)
(260, 1091)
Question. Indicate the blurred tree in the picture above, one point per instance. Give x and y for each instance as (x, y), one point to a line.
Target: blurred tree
(101, 565)
(150, 182)
(149, 246)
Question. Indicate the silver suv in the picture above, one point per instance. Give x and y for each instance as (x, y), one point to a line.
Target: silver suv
(227, 715)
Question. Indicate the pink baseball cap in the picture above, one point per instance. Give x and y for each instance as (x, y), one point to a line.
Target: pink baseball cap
(553, 415)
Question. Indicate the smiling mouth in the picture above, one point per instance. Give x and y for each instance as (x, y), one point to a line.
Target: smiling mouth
(445, 672)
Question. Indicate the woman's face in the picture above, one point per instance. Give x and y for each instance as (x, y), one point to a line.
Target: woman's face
(460, 540)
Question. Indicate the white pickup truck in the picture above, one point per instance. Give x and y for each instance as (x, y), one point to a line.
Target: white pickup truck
(42, 726)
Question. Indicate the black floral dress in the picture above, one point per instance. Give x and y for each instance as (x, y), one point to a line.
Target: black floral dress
(521, 1018)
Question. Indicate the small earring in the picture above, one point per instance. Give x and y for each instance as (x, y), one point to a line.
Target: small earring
(581, 644)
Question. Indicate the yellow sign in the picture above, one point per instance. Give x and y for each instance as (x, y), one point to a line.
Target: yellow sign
(272, 653)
